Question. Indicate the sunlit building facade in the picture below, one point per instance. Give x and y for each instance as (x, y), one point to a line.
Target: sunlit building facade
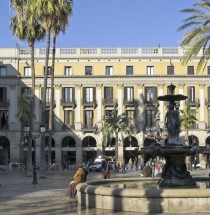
(89, 83)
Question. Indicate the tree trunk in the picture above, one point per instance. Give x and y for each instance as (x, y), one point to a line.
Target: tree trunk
(51, 103)
(42, 145)
(29, 138)
(116, 148)
(186, 136)
(21, 152)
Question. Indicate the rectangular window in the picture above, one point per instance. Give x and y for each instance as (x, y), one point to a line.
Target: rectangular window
(48, 94)
(151, 94)
(131, 117)
(88, 70)
(3, 71)
(68, 94)
(170, 70)
(49, 71)
(88, 118)
(69, 117)
(150, 70)
(67, 70)
(190, 70)
(191, 93)
(129, 94)
(25, 91)
(150, 116)
(129, 70)
(3, 94)
(27, 71)
(3, 120)
(109, 70)
(208, 70)
(108, 93)
(89, 94)
(108, 112)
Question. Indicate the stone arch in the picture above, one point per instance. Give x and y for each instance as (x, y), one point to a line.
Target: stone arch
(4, 150)
(89, 141)
(193, 140)
(132, 143)
(68, 141)
(68, 148)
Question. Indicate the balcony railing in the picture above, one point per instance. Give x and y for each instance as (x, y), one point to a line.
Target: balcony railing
(194, 126)
(194, 102)
(87, 103)
(153, 102)
(109, 102)
(4, 103)
(127, 102)
(88, 128)
(68, 103)
(207, 126)
(68, 127)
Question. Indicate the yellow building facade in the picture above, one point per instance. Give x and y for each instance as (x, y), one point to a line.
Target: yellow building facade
(89, 83)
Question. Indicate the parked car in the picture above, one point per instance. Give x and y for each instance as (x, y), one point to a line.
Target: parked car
(96, 166)
(14, 166)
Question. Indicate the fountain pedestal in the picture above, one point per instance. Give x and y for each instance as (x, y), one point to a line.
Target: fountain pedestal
(175, 173)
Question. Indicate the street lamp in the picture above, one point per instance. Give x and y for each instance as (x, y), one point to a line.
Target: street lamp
(42, 150)
(26, 130)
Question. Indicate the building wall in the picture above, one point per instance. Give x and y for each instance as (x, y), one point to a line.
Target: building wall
(16, 59)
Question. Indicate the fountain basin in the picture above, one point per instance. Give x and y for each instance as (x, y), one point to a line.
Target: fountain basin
(96, 194)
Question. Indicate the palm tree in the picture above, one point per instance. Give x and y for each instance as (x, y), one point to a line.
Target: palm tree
(23, 116)
(26, 27)
(45, 11)
(187, 120)
(59, 24)
(114, 125)
(197, 38)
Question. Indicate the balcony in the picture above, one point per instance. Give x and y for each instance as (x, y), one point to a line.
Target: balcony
(207, 102)
(89, 128)
(192, 102)
(4, 103)
(109, 102)
(68, 103)
(48, 103)
(150, 103)
(89, 103)
(194, 126)
(68, 127)
(130, 103)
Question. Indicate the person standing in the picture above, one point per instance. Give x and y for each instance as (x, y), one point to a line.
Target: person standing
(106, 170)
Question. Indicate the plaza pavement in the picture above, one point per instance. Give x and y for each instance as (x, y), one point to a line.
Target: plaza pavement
(18, 196)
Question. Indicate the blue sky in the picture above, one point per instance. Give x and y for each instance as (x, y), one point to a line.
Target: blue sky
(113, 23)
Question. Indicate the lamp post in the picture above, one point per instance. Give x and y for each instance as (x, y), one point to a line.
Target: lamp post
(42, 150)
(26, 130)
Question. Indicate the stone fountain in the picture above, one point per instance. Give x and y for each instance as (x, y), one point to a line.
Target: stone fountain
(177, 192)
(174, 173)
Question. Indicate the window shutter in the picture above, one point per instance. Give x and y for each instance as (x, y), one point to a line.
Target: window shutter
(111, 92)
(155, 93)
(188, 92)
(125, 93)
(94, 94)
(42, 93)
(208, 93)
(73, 94)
